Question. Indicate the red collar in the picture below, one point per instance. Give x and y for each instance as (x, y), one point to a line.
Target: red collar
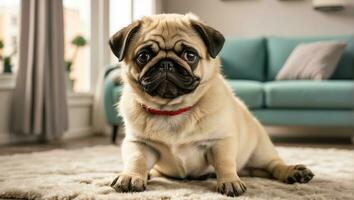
(165, 112)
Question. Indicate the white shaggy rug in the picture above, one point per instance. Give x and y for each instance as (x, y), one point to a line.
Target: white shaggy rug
(87, 173)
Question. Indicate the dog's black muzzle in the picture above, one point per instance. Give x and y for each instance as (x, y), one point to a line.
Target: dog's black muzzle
(168, 80)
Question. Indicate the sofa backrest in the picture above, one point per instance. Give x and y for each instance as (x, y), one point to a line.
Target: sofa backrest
(244, 58)
(279, 48)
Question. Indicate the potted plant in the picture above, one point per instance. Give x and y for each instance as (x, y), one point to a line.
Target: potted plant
(6, 59)
(78, 42)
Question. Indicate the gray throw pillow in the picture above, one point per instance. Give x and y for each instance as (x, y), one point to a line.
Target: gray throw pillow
(315, 61)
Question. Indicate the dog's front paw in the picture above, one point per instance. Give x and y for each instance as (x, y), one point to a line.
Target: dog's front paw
(232, 188)
(300, 174)
(128, 183)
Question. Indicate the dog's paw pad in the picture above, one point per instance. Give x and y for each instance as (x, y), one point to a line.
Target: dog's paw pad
(299, 174)
(127, 183)
(232, 189)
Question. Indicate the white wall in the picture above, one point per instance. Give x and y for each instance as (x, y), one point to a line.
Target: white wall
(80, 112)
(266, 17)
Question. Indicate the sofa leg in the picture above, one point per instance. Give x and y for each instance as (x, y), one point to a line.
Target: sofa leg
(114, 133)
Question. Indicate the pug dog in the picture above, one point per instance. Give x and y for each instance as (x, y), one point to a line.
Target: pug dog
(182, 119)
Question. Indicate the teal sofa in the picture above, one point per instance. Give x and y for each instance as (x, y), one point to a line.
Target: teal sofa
(251, 64)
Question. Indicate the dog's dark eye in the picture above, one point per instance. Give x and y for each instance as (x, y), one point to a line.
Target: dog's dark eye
(143, 57)
(190, 56)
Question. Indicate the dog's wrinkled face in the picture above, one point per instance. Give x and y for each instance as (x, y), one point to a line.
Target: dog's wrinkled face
(164, 53)
(170, 75)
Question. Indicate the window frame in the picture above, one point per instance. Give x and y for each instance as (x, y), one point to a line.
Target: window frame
(7, 80)
(99, 39)
(100, 36)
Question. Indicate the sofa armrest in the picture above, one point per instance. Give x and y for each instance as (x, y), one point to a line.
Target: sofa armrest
(109, 101)
(110, 68)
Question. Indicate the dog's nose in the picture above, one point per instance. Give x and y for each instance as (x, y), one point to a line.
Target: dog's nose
(166, 65)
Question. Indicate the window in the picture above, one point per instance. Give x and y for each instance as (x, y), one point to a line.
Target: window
(119, 14)
(81, 22)
(9, 31)
(77, 23)
(123, 12)
(143, 8)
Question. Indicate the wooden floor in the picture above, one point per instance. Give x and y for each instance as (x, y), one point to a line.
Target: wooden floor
(343, 143)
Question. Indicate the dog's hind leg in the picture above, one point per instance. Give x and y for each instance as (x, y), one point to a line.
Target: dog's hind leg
(289, 173)
(266, 157)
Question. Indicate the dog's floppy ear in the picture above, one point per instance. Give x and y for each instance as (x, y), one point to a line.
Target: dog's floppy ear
(212, 38)
(119, 41)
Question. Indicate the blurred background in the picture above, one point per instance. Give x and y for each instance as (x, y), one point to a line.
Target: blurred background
(91, 72)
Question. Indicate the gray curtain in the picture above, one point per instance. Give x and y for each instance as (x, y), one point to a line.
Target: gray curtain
(39, 99)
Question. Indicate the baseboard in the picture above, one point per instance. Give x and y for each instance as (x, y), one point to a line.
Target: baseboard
(5, 138)
(8, 138)
(78, 133)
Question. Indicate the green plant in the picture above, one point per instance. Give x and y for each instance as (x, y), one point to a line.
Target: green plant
(78, 42)
(1, 47)
(68, 65)
(6, 59)
(7, 65)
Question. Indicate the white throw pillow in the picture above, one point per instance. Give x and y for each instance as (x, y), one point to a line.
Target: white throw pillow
(315, 61)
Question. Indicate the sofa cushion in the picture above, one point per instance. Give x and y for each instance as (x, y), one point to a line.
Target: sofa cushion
(279, 49)
(250, 92)
(312, 61)
(244, 58)
(334, 94)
